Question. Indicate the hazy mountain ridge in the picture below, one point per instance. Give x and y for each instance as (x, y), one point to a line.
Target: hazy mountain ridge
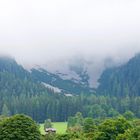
(15, 80)
(120, 80)
(39, 92)
(39, 76)
(68, 86)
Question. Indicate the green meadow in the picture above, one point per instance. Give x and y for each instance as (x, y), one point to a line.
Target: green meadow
(61, 127)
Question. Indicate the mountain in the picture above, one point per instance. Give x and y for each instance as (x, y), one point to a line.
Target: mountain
(54, 81)
(42, 94)
(20, 92)
(121, 81)
(69, 86)
(71, 78)
(15, 80)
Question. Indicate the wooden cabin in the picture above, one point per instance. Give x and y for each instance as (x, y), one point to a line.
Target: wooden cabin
(50, 130)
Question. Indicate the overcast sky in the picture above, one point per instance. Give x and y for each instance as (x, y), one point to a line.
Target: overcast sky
(47, 31)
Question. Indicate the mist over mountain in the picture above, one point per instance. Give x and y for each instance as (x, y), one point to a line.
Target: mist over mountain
(57, 34)
(78, 68)
(72, 66)
(36, 91)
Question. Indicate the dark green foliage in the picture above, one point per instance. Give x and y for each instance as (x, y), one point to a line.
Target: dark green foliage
(50, 136)
(75, 124)
(111, 128)
(129, 115)
(63, 137)
(19, 127)
(113, 113)
(69, 136)
(131, 134)
(77, 120)
(107, 129)
(71, 121)
(121, 81)
(88, 125)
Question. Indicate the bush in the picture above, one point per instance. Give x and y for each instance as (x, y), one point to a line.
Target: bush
(19, 127)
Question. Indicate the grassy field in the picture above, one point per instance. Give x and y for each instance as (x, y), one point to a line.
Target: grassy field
(59, 126)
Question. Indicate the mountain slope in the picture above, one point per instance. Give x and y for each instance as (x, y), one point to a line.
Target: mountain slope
(15, 80)
(66, 86)
(123, 80)
(31, 93)
(20, 92)
(41, 94)
(37, 79)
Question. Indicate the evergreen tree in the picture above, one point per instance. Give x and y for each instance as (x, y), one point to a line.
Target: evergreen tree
(5, 111)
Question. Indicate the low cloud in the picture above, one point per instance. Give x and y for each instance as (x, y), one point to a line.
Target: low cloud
(52, 33)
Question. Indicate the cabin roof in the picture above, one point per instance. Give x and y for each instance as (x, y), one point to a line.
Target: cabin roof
(50, 129)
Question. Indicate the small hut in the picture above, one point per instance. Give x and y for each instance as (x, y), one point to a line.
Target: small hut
(50, 130)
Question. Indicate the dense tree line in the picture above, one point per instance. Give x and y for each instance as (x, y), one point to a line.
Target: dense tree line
(59, 107)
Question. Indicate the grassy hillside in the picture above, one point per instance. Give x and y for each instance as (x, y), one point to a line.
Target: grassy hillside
(61, 127)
